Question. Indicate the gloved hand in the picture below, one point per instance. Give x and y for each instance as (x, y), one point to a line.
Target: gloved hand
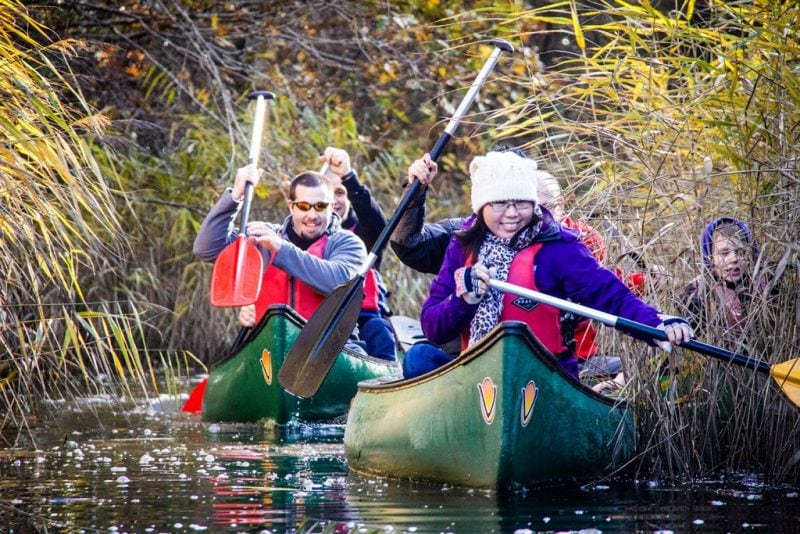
(677, 330)
(471, 282)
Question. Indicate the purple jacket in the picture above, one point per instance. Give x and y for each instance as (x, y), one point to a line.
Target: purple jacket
(564, 268)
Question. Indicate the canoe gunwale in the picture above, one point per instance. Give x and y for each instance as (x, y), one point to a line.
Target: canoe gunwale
(288, 313)
(503, 329)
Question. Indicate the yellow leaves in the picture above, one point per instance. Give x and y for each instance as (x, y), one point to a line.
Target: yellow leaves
(485, 50)
(580, 40)
(519, 68)
(524, 125)
(220, 30)
(690, 5)
(95, 122)
(388, 73)
(203, 95)
(400, 114)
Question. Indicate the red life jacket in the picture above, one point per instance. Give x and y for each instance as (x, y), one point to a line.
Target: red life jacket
(543, 320)
(278, 287)
(585, 333)
(371, 290)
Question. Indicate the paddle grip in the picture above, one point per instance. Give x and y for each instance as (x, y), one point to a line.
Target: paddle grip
(488, 66)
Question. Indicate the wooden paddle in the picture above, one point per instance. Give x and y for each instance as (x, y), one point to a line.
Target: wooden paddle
(326, 332)
(236, 278)
(786, 374)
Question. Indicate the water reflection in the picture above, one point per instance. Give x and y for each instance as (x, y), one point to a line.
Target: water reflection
(150, 470)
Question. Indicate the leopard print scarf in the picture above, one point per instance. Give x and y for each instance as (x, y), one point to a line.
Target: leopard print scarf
(498, 253)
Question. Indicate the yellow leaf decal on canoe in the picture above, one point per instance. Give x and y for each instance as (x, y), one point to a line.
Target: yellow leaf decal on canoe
(487, 399)
(266, 366)
(529, 394)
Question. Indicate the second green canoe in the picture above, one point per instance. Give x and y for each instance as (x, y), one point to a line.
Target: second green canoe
(244, 387)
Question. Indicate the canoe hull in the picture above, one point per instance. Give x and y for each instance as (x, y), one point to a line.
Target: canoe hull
(244, 387)
(503, 414)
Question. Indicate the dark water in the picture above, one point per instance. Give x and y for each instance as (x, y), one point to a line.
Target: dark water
(104, 469)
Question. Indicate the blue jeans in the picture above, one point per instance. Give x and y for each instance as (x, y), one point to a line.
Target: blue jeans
(422, 358)
(377, 335)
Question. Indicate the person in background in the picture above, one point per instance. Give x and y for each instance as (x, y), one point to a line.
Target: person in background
(418, 244)
(585, 335)
(360, 214)
(511, 237)
(720, 298)
(306, 256)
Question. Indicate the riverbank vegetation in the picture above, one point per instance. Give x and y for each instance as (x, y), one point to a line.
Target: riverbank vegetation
(122, 124)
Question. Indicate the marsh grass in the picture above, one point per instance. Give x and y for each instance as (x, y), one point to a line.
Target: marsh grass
(60, 233)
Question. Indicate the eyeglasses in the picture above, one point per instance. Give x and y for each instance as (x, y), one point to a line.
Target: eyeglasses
(306, 206)
(519, 205)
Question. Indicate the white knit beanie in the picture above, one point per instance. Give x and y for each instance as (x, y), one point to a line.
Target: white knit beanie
(501, 176)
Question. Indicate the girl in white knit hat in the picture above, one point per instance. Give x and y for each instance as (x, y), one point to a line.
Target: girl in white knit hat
(511, 238)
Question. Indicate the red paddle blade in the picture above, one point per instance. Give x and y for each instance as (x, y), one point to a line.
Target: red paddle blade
(195, 401)
(236, 279)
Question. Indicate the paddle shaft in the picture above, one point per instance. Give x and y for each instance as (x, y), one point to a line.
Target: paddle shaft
(626, 325)
(255, 149)
(438, 148)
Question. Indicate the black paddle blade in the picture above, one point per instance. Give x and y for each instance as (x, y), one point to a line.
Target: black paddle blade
(321, 340)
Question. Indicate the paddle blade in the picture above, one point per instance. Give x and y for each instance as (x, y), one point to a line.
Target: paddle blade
(236, 278)
(787, 375)
(195, 401)
(321, 340)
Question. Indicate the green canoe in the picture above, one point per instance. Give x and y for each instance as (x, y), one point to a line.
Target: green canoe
(503, 414)
(244, 387)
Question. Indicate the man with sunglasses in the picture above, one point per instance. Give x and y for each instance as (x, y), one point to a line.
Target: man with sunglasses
(306, 257)
(360, 213)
